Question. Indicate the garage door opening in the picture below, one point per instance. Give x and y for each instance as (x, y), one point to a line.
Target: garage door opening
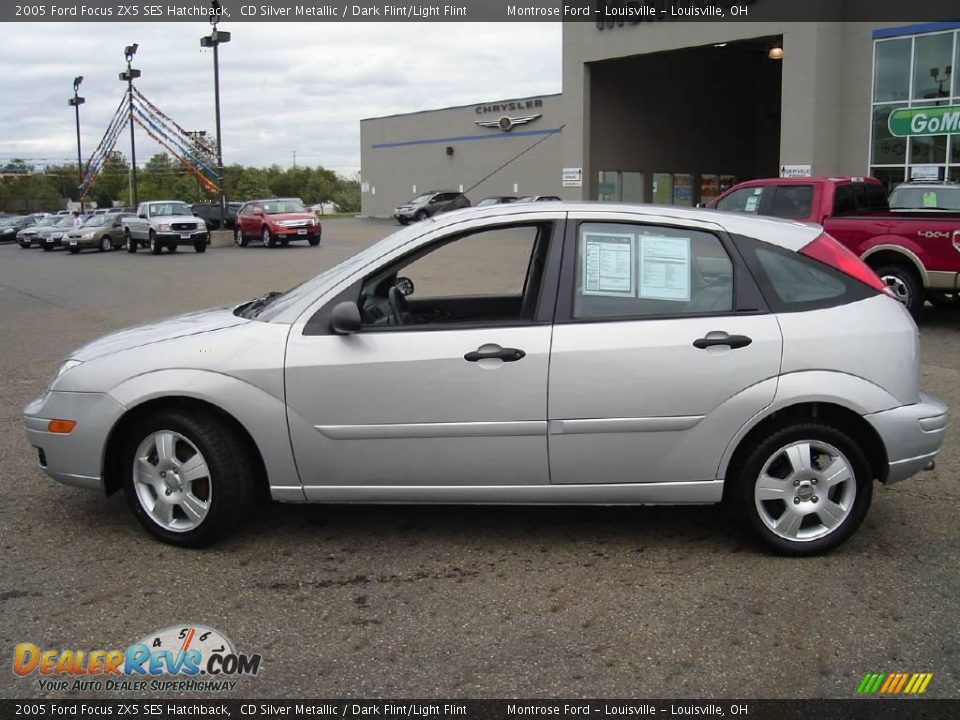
(679, 127)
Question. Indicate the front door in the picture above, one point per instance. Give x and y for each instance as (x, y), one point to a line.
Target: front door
(445, 385)
(659, 355)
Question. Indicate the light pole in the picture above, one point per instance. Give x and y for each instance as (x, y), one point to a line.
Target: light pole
(128, 76)
(76, 101)
(214, 39)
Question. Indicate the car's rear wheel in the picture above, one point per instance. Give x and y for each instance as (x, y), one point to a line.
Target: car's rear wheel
(130, 242)
(188, 477)
(106, 244)
(803, 489)
(905, 285)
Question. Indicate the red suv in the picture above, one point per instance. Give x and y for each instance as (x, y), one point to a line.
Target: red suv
(276, 221)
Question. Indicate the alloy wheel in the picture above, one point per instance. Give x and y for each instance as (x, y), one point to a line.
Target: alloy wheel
(172, 481)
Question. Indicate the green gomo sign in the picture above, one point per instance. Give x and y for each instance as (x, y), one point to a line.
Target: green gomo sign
(911, 122)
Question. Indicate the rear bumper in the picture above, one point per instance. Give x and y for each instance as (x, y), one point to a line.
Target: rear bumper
(912, 434)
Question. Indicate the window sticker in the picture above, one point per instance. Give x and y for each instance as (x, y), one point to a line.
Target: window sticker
(752, 202)
(608, 264)
(664, 268)
(930, 199)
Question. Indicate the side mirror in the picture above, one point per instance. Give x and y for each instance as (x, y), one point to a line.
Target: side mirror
(258, 211)
(142, 216)
(345, 318)
(701, 205)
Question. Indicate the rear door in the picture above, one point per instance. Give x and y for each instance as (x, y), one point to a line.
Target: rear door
(662, 349)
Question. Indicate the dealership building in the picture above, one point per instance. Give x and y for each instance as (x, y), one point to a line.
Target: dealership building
(675, 112)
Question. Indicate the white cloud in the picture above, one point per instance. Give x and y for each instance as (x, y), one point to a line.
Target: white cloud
(283, 86)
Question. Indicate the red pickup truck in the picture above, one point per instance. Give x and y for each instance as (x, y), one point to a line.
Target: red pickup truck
(917, 254)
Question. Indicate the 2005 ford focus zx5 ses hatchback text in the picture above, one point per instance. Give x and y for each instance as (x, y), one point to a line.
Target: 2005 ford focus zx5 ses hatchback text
(570, 354)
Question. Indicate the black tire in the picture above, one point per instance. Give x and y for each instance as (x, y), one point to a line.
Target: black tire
(742, 480)
(131, 243)
(239, 239)
(906, 285)
(73, 250)
(172, 248)
(403, 220)
(24, 246)
(420, 216)
(106, 244)
(944, 300)
(200, 246)
(47, 248)
(266, 237)
(232, 478)
(314, 241)
(155, 247)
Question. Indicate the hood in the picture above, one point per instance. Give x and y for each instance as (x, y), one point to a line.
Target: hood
(159, 331)
(164, 219)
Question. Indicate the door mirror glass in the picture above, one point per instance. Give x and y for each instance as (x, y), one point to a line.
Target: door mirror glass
(258, 211)
(142, 215)
(345, 318)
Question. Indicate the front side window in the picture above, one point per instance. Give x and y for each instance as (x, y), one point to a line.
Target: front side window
(492, 276)
(629, 271)
(745, 200)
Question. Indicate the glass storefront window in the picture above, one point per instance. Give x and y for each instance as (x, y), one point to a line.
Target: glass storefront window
(931, 149)
(887, 149)
(890, 177)
(609, 186)
(933, 56)
(892, 75)
(955, 149)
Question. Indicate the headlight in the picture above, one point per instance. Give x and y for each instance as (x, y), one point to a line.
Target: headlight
(163, 227)
(87, 236)
(7, 231)
(64, 367)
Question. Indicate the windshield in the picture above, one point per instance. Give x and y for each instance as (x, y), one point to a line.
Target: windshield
(98, 221)
(421, 198)
(168, 209)
(278, 207)
(65, 221)
(926, 198)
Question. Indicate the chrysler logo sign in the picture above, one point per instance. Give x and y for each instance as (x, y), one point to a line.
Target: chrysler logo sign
(507, 123)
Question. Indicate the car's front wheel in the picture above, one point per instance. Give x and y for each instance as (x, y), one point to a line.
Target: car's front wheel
(803, 489)
(155, 247)
(188, 477)
(238, 238)
(106, 243)
(314, 241)
(266, 237)
(129, 241)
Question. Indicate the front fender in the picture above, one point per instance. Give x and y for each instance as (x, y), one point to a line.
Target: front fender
(815, 386)
(263, 415)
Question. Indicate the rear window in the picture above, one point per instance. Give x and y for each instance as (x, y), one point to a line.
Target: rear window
(914, 198)
(858, 198)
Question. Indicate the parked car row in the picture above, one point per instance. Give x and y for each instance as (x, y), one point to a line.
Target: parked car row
(435, 202)
(166, 224)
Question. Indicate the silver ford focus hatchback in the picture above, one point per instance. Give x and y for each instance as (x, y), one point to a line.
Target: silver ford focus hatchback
(518, 354)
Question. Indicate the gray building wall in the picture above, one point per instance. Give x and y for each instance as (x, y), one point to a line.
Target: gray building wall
(402, 155)
(826, 85)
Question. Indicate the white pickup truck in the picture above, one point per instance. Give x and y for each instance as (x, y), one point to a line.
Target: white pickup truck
(167, 224)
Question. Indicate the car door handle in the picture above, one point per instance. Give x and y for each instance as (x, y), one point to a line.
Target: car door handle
(721, 338)
(495, 353)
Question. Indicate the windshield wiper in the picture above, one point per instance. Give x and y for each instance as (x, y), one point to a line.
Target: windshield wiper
(253, 308)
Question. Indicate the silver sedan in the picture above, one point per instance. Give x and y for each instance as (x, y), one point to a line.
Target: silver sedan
(519, 354)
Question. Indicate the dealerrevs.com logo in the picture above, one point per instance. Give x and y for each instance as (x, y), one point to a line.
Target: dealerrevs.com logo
(178, 658)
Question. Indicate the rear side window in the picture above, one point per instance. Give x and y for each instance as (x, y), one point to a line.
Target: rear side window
(745, 200)
(792, 201)
(792, 282)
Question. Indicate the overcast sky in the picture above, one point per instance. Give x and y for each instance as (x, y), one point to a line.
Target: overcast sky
(283, 86)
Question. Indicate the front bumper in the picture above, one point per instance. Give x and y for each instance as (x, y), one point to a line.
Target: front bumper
(187, 237)
(76, 458)
(912, 434)
(294, 233)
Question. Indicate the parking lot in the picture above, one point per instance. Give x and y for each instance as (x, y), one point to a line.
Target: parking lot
(420, 602)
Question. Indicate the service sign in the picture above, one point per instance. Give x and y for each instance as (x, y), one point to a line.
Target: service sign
(913, 122)
(795, 171)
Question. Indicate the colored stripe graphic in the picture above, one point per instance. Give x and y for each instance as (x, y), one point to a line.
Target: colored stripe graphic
(894, 683)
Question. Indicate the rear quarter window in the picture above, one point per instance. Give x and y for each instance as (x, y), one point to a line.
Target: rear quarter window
(791, 282)
(792, 201)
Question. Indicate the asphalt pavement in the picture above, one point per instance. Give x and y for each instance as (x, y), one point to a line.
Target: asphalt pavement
(422, 602)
